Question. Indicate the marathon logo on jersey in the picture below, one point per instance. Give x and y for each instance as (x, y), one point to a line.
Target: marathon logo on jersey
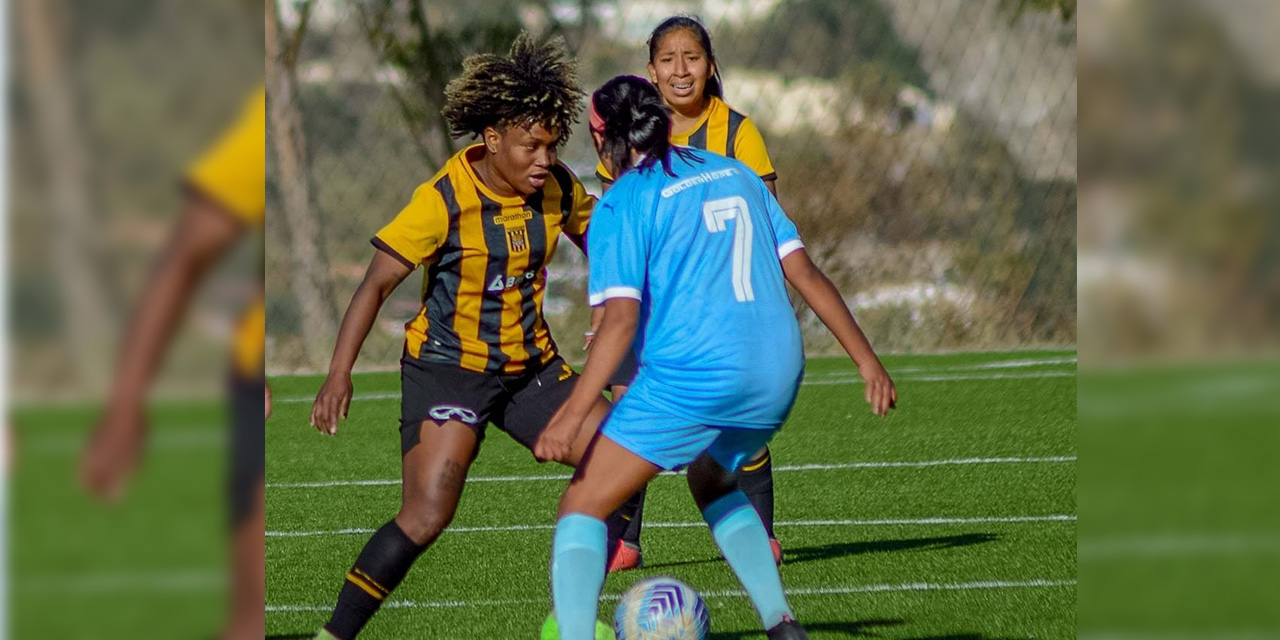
(501, 283)
(513, 218)
(447, 412)
(518, 240)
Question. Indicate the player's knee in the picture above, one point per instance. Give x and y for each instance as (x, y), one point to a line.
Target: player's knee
(708, 481)
(423, 523)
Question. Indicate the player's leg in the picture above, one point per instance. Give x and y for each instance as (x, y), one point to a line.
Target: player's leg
(607, 476)
(248, 566)
(736, 526)
(535, 398)
(434, 471)
(755, 478)
(248, 510)
(624, 553)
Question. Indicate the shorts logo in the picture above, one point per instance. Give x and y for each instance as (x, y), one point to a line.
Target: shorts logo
(448, 412)
(518, 240)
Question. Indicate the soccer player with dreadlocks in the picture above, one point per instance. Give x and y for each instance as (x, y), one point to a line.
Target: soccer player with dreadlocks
(480, 350)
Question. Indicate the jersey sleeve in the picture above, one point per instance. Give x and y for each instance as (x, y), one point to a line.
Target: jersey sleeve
(602, 174)
(618, 246)
(785, 234)
(233, 171)
(748, 147)
(419, 229)
(575, 223)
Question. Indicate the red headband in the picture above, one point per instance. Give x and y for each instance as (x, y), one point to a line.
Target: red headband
(596, 122)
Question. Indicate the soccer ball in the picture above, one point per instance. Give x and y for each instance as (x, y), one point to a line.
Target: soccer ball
(661, 609)
(551, 629)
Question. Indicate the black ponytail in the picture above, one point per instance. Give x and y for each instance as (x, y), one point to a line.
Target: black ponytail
(715, 86)
(635, 119)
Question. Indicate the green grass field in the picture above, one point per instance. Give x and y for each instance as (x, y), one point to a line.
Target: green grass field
(953, 518)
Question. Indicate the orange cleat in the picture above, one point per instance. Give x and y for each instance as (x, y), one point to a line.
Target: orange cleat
(626, 558)
(777, 550)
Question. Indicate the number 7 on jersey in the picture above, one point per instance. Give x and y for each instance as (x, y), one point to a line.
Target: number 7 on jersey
(715, 213)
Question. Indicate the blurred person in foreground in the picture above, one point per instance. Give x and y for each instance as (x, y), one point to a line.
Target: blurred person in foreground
(225, 203)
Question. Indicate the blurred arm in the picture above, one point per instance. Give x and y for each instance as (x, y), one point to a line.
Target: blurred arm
(205, 233)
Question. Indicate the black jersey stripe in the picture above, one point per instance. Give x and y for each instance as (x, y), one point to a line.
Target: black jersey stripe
(537, 234)
(495, 240)
(735, 121)
(440, 295)
(698, 140)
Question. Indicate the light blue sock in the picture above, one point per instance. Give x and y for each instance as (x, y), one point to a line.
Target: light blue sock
(577, 574)
(742, 539)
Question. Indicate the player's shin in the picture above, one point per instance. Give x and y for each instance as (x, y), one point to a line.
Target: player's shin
(379, 569)
(756, 481)
(742, 539)
(577, 574)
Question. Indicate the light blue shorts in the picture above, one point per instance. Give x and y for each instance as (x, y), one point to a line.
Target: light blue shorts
(673, 443)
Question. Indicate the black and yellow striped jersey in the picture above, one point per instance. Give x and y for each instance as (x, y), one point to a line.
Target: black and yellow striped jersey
(485, 255)
(722, 131)
(233, 174)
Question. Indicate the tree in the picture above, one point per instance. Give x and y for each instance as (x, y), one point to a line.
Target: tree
(76, 252)
(309, 264)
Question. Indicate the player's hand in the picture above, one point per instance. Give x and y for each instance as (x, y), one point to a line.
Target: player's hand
(267, 386)
(332, 403)
(114, 453)
(880, 392)
(587, 339)
(556, 441)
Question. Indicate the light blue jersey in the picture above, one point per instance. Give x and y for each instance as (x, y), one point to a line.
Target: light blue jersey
(718, 343)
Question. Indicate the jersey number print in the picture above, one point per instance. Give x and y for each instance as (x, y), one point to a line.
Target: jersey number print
(715, 213)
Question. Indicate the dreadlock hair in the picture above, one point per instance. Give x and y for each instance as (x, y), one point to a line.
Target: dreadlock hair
(535, 83)
(635, 119)
(715, 86)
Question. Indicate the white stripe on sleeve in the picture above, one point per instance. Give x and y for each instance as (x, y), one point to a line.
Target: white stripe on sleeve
(789, 247)
(597, 299)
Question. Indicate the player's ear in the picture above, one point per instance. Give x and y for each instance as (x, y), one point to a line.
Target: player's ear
(653, 74)
(492, 139)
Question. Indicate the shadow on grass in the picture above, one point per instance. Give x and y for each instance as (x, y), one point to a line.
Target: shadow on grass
(856, 629)
(292, 636)
(963, 636)
(844, 549)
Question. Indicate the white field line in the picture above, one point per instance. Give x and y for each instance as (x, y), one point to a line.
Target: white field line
(887, 522)
(914, 464)
(174, 439)
(978, 585)
(848, 379)
(110, 583)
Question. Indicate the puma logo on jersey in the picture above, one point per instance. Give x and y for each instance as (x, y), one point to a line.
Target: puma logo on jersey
(502, 283)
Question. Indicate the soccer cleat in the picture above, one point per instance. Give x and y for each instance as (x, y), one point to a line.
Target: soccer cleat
(788, 629)
(777, 550)
(626, 557)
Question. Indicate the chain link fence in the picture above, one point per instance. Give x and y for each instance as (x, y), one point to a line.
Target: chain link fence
(925, 148)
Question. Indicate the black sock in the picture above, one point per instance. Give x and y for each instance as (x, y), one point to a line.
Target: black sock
(634, 507)
(620, 522)
(756, 480)
(381, 566)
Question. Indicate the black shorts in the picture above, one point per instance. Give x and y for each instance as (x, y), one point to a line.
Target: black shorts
(248, 445)
(520, 404)
(626, 371)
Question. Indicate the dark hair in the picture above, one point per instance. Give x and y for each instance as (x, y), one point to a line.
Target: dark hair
(715, 86)
(635, 119)
(536, 83)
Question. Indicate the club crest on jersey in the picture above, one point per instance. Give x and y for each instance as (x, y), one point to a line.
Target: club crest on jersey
(518, 240)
